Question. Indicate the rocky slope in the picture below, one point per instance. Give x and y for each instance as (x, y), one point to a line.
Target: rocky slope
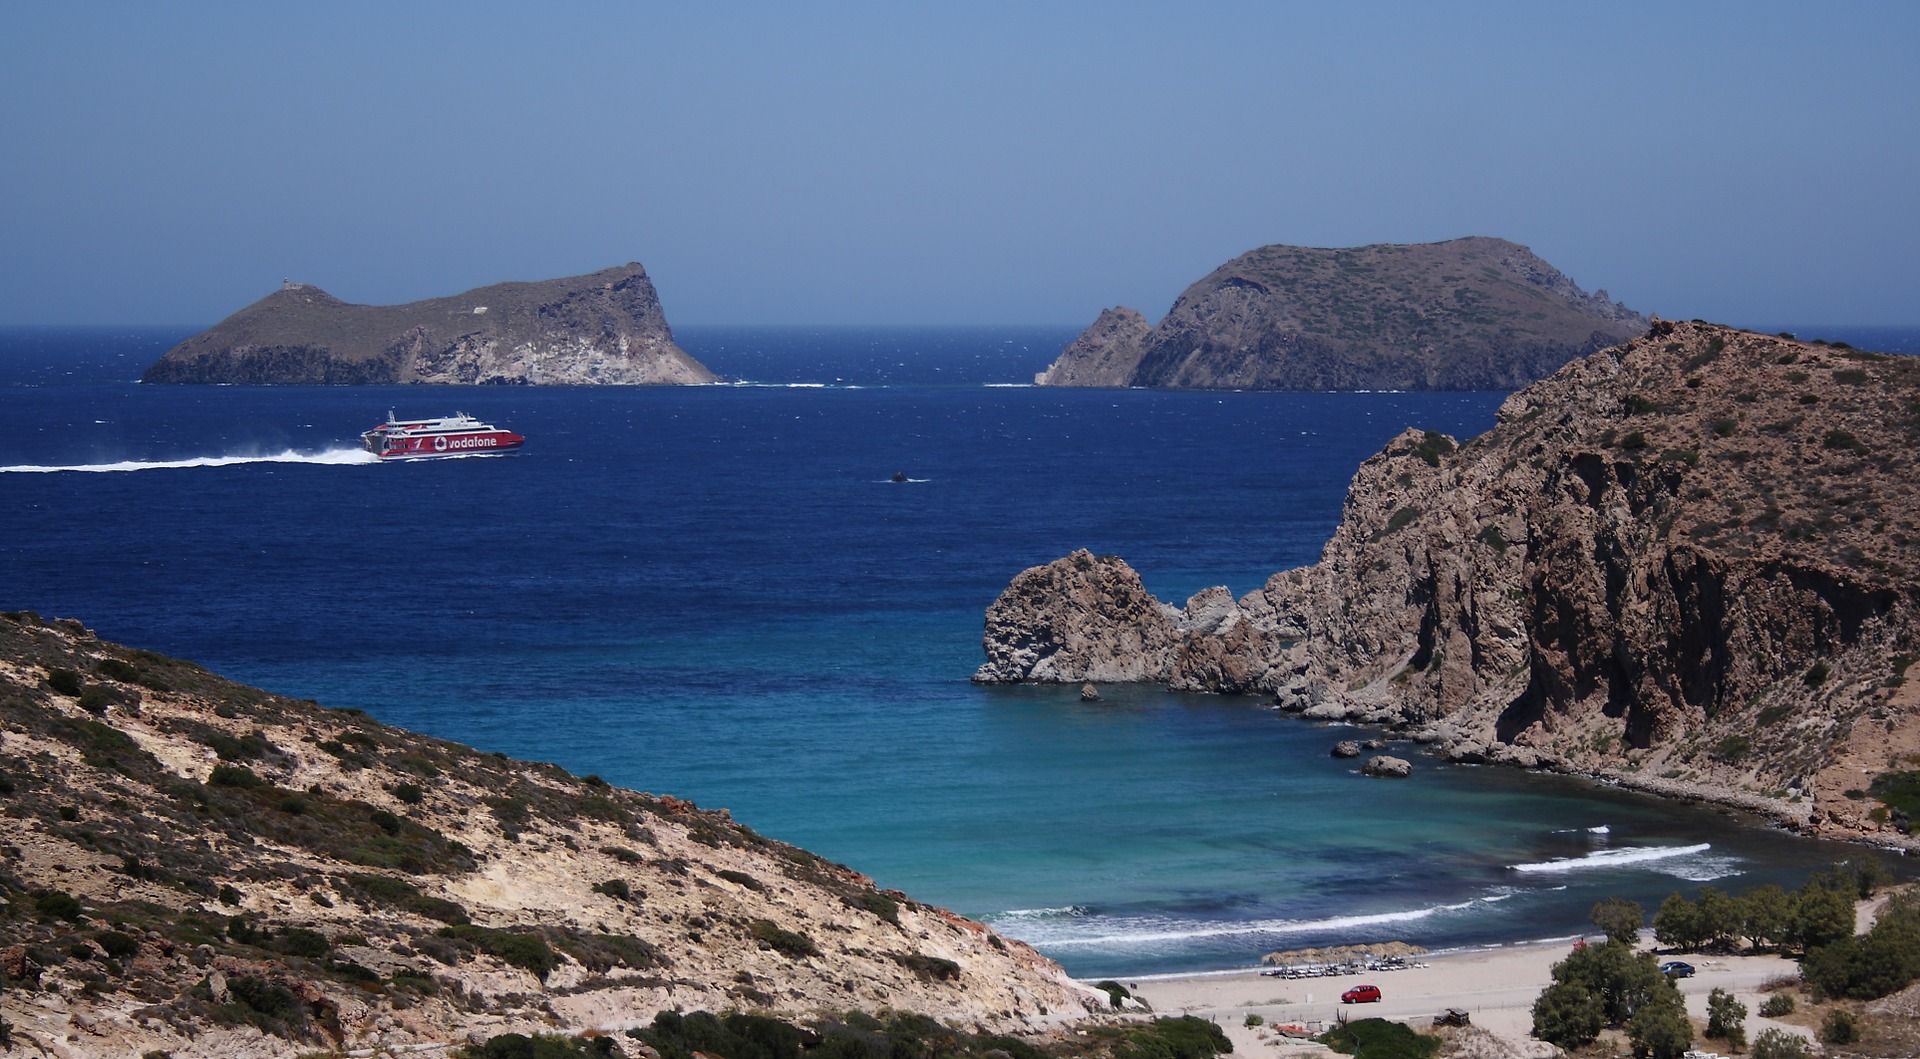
(1687, 563)
(606, 327)
(194, 867)
(1466, 314)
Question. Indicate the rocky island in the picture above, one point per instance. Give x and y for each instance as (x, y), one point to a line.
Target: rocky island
(195, 867)
(602, 328)
(1686, 563)
(1466, 314)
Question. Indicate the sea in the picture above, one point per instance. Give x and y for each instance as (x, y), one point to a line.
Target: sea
(719, 593)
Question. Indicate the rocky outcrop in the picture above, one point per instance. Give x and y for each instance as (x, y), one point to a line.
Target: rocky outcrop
(606, 328)
(1103, 353)
(1686, 563)
(1466, 314)
(1385, 767)
(173, 838)
(1346, 748)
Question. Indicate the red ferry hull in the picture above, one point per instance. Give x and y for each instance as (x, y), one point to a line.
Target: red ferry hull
(444, 445)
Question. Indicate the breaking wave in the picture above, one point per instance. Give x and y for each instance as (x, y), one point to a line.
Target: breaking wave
(328, 458)
(1614, 858)
(1076, 926)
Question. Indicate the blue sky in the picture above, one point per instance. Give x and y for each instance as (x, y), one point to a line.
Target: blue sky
(987, 162)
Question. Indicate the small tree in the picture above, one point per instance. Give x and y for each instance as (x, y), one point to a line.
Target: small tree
(1568, 1015)
(1821, 916)
(1839, 1027)
(1677, 924)
(1624, 981)
(1764, 911)
(1660, 1030)
(1619, 918)
(1727, 1019)
(1720, 917)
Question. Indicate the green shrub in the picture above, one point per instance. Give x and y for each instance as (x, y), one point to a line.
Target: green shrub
(301, 941)
(1660, 1030)
(1841, 441)
(1817, 674)
(409, 793)
(267, 1004)
(1377, 1039)
(57, 904)
(116, 944)
(1114, 990)
(622, 854)
(236, 776)
(538, 1046)
(1727, 1019)
(1431, 446)
(1839, 1027)
(529, 952)
(64, 681)
(1253, 1019)
(1780, 1044)
(1184, 1037)
(1619, 918)
(1725, 427)
(615, 888)
(1850, 376)
(1634, 441)
(1776, 1005)
(742, 878)
(1690, 457)
(1637, 405)
(928, 968)
(789, 943)
(879, 904)
(1899, 790)
(1733, 749)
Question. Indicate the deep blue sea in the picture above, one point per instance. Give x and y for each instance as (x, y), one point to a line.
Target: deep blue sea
(716, 592)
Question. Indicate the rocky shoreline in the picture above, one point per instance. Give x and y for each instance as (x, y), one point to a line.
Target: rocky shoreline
(1683, 564)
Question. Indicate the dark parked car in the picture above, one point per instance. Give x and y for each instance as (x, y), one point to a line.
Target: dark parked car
(1676, 969)
(1361, 994)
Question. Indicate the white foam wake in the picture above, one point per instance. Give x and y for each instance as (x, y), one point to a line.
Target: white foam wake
(1614, 858)
(328, 458)
(1143, 931)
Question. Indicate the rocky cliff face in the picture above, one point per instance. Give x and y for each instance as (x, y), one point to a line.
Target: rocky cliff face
(1467, 314)
(194, 867)
(1687, 563)
(606, 327)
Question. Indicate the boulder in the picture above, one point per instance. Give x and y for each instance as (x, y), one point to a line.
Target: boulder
(1089, 693)
(1387, 767)
(1346, 748)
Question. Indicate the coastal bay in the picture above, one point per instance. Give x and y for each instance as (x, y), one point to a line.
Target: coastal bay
(742, 610)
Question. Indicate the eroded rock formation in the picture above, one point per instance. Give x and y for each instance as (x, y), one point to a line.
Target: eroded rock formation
(1465, 314)
(1687, 562)
(606, 327)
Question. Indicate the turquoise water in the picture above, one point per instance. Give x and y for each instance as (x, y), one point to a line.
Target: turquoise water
(716, 593)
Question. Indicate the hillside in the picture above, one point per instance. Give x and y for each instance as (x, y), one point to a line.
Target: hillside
(1466, 314)
(606, 327)
(195, 867)
(1687, 563)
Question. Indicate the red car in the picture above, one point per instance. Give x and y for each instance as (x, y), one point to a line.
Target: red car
(1361, 994)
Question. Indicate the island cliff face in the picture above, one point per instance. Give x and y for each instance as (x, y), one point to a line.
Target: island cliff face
(194, 867)
(1686, 563)
(605, 328)
(1466, 314)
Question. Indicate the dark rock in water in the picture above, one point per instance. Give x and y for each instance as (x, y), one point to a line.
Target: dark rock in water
(1346, 748)
(606, 327)
(1374, 744)
(1387, 767)
(1089, 693)
(898, 477)
(1466, 314)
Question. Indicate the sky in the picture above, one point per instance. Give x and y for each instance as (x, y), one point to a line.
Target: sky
(987, 162)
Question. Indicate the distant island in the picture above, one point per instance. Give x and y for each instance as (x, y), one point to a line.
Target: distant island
(1685, 564)
(1466, 314)
(603, 328)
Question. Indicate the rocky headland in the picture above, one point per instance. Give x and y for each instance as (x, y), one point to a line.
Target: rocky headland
(195, 867)
(1686, 564)
(604, 328)
(1465, 314)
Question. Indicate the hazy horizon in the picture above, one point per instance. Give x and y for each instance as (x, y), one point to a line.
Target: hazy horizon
(865, 165)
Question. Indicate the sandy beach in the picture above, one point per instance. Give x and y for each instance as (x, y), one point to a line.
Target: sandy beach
(1496, 986)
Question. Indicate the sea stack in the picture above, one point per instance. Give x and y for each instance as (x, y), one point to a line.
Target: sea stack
(1685, 563)
(1466, 314)
(605, 328)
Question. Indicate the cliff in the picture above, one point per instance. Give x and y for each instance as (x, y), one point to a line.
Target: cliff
(1466, 314)
(1686, 563)
(195, 867)
(606, 327)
